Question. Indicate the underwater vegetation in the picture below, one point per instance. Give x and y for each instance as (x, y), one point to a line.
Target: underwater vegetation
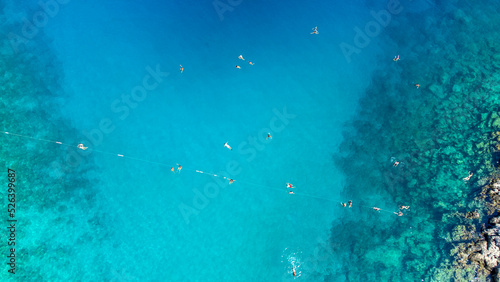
(440, 131)
(56, 208)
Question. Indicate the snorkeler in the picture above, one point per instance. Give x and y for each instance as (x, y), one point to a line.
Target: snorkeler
(350, 203)
(396, 58)
(315, 30)
(468, 177)
(227, 146)
(343, 204)
(377, 209)
(179, 168)
(250, 63)
(181, 69)
(241, 57)
(238, 67)
(269, 136)
(231, 181)
(289, 185)
(395, 164)
(80, 146)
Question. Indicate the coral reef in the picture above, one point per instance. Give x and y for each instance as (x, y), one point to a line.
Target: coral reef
(57, 211)
(445, 135)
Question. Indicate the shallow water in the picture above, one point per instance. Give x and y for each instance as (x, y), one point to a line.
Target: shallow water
(335, 120)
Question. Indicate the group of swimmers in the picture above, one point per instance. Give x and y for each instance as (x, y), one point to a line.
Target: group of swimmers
(179, 167)
(241, 58)
(345, 204)
(399, 213)
(315, 31)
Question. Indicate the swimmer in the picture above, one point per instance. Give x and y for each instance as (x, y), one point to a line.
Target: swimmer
(399, 213)
(293, 269)
(80, 146)
(396, 58)
(417, 85)
(315, 30)
(405, 207)
(465, 178)
(269, 136)
(179, 168)
(227, 146)
(238, 67)
(250, 63)
(350, 203)
(289, 185)
(343, 204)
(231, 181)
(395, 164)
(290, 192)
(172, 169)
(377, 209)
(241, 57)
(181, 69)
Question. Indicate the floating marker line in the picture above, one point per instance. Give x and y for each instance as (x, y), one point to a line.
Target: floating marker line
(193, 170)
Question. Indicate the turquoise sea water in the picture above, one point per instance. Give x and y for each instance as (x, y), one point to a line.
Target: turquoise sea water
(106, 74)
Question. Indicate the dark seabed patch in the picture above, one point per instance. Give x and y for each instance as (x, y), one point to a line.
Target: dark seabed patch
(436, 113)
(61, 228)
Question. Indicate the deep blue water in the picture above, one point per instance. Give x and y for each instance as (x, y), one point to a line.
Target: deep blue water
(146, 223)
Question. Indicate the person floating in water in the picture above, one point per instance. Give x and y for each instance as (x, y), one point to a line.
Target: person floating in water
(179, 168)
(289, 185)
(250, 63)
(181, 69)
(241, 57)
(377, 209)
(227, 146)
(315, 30)
(231, 181)
(396, 58)
(468, 177)
(238, 67)
(80, 146)
(350, 203)
(269, 136)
